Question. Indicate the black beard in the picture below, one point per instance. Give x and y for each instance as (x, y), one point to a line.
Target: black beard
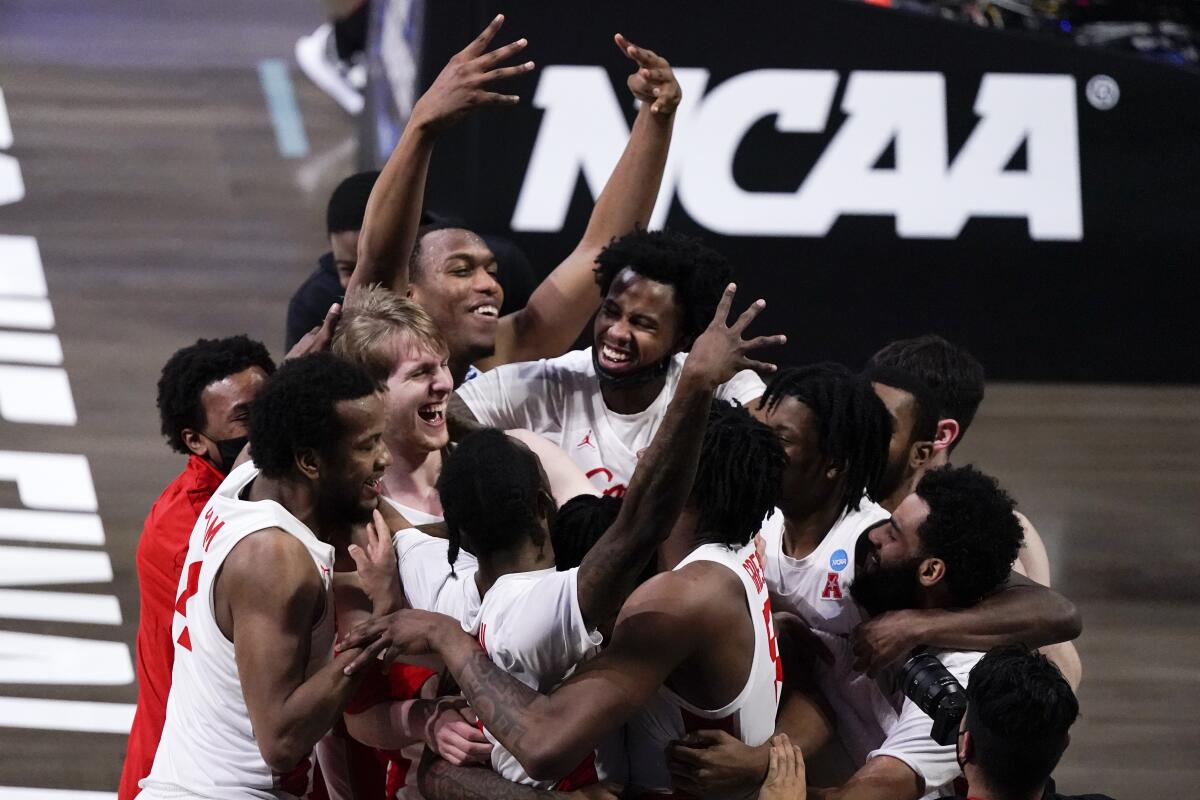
(635, 377)
(893, 476)
(886, 588)
(339, 506)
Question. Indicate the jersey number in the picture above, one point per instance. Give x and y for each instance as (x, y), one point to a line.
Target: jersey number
(189, 590)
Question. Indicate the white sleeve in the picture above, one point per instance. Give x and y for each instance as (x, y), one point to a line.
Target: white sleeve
(908, 740)
(743, 387)
(423, 564)
(552, 637)
(520, 395)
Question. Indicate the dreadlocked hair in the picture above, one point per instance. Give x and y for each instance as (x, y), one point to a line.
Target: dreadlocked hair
(579, 524)
(490, 487)
(739, 477)
(696, 272)
(853, 425)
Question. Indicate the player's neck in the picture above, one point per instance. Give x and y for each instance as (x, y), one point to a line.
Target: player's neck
(298, 500)
(978, 787)
(804, 532)
(683, 539)
(459, 367)
(632, 399)
(524, 557)
(412, 479)
(906, 487)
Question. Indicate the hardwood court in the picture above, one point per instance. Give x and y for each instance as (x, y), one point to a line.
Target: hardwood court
(163, 212)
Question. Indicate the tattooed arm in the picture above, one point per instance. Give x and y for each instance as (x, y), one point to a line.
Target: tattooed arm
(662, 624)
(438, 779)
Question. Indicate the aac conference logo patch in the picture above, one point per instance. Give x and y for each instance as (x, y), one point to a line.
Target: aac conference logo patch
(839, 560)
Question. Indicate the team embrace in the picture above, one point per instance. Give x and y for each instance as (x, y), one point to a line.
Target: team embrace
(455, 559)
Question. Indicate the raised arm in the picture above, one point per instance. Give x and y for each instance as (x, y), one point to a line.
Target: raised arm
(562, 304)
(393, 212)
(663, 478)
(272, 635)
(1020, 612)
(660, 626)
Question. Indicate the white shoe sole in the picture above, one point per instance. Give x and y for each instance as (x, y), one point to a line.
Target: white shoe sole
(310, 55)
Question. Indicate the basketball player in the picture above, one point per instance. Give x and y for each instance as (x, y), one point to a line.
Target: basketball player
(204, 395)
(602, 405)
(255, 680)
(693, 645)
(539, 623)
(836, 434)
(401, 347)
(451, 271)
(932, 389)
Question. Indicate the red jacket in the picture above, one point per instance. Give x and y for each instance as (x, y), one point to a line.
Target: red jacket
(160, 556)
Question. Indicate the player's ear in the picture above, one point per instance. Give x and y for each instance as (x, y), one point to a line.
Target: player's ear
(966, 747)
(931, 571)
(948, 432)
(309, 463)
(920, 454)
(194, 442)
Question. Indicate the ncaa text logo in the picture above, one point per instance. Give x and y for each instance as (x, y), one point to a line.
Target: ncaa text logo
(583, 130)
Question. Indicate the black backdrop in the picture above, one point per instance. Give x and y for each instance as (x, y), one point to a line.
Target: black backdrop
(1114, 305)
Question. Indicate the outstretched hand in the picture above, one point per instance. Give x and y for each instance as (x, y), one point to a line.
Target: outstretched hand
(319, 338)
(786, 779)
(654, 82)
(377, 570)
(463, 84)
(720, 352)
(404, 632)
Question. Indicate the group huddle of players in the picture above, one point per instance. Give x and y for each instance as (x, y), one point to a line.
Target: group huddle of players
(455, 560)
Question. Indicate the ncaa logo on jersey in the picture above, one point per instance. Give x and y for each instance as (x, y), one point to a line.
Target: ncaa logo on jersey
(839, 560)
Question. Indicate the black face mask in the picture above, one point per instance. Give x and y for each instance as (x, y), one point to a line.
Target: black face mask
(228, 450)
(636, 377)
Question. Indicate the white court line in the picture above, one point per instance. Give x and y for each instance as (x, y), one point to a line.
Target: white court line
(95, 609)
(59, 527)
(65, 715)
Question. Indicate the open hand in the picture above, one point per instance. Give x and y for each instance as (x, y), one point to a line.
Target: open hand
(654, 82)
(786, 775)
(720, 352)
(452, 733)
(404, 632)
(318, 339)
(377, 569)
(463, 84)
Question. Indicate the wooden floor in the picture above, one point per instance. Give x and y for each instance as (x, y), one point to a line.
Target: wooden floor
(164, 212)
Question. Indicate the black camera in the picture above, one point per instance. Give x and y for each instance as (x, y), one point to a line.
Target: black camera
(930, 685)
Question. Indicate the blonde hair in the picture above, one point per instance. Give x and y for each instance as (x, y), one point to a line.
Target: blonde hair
(370, 317)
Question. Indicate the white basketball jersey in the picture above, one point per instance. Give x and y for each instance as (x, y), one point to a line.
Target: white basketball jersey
(531, 626)
(559, 398)
(749, 717)
(208, 747)
(816, 588)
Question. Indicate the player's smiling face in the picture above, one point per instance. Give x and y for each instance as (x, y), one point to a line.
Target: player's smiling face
(351, 475)
(457, 286)
(637, 325)
(418, 389)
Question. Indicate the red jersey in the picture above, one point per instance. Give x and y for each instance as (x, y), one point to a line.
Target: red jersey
(160, 555)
